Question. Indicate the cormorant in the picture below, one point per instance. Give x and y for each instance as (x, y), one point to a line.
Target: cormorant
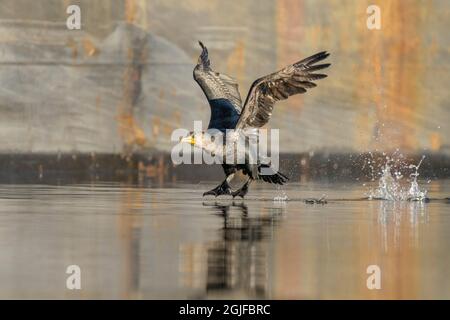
(227, 112)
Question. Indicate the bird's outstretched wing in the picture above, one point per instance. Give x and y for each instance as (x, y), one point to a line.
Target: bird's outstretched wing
(265, 91)
(221, 91)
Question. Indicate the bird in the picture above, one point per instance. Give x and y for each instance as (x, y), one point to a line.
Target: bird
(228, 113)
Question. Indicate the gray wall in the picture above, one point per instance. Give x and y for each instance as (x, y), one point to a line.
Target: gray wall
(124, 82)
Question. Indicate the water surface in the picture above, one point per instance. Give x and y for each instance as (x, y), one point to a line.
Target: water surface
(169, 242)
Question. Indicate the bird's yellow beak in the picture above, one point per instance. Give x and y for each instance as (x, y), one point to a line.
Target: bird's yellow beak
(190, 140)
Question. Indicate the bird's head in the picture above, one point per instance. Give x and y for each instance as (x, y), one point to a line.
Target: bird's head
(201, 140)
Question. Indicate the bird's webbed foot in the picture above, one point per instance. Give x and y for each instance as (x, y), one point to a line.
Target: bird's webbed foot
(222, 189)
(242, 191)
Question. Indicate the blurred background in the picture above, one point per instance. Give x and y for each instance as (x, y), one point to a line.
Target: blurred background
(105, 99)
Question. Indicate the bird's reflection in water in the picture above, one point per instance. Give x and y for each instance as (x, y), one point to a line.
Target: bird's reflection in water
(239, 262)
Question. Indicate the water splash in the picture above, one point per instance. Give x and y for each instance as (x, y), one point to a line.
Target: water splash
(414, 192)
(282, 196)
(391, 187)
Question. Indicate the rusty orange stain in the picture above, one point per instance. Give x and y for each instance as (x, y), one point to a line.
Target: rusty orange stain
(159, 126)
(130, 10)
(435, 141)
(89, 48)
(391, 70)
(98, 101)
(289, 14)
(130, 131)
(167, 129)
(156, 125)
(161, 94)
(236, 61)
(177, 117)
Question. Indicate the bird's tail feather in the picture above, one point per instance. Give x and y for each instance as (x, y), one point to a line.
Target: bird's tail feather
(276, 178)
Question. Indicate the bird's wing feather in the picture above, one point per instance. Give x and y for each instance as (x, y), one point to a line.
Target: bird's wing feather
(265, 91)
(216, 85)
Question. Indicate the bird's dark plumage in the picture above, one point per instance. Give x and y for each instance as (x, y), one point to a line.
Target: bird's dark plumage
(223, 115)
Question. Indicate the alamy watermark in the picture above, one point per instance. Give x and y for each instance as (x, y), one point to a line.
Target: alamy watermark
(73, 21)
(73, 281)
(374, 280)
(373, 21)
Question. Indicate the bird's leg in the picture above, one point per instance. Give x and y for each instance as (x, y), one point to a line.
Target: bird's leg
(223, 188)
(243, 190)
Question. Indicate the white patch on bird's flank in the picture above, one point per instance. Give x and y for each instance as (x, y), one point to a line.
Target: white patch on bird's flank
(248, 146)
